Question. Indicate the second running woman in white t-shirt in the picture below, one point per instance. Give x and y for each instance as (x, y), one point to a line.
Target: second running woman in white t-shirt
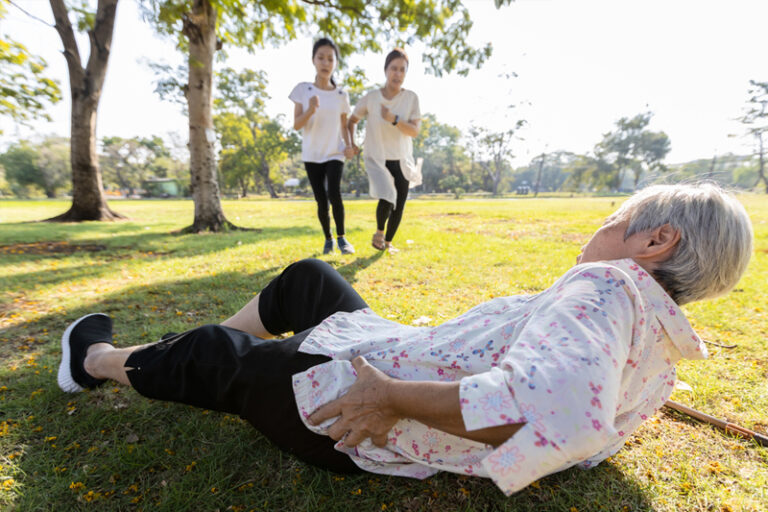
(320, 112)
(394, 119)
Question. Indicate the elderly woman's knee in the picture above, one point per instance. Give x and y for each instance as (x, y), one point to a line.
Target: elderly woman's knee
(308, 269)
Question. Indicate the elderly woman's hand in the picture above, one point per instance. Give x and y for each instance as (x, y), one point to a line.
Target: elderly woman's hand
(365, 411)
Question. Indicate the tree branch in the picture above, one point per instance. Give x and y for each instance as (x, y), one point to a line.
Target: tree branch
(71, 52)
(332, 5)
(30, 14)
(101, 42)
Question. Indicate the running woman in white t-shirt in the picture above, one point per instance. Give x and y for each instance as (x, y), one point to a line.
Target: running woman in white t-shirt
(393, 121)
(320, 112)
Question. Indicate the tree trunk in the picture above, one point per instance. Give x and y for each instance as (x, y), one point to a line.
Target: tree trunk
(243, 187)
(496, 179)
(88, 200)
(200, 29)
(267, 179)
(538, 177)
(123, 183)
(761, 168)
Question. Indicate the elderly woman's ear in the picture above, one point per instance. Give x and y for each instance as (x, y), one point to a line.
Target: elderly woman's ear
(658, 244)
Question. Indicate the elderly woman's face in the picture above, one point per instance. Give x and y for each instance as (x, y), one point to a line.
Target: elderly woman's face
(608, 243)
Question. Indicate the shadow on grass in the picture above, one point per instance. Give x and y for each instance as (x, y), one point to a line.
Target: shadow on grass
(135, 235)
(134, 246)
(350, 270)
(173, 305)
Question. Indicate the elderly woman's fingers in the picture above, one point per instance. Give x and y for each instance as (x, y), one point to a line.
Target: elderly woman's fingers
(355, 437)
(380, 440)
(359, 363)
(338, 430)
(326, 412)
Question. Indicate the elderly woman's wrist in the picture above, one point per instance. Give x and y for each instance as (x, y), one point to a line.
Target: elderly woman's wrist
(394, 390)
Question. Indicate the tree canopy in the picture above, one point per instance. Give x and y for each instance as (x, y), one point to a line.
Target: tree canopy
(755, 119)
(631, 146)
(25, 90)
(355, 25)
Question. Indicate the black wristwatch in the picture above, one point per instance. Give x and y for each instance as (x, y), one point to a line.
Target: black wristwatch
(397, 118)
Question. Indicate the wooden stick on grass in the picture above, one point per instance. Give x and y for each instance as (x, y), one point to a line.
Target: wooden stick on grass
(723, 425)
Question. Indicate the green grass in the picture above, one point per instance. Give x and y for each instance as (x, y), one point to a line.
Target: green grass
(111, 449)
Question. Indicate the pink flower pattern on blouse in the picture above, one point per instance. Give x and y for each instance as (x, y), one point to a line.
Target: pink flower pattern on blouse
(581, 364)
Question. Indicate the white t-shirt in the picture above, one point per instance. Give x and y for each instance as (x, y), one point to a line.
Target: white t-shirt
(384, 141)
(322, 139)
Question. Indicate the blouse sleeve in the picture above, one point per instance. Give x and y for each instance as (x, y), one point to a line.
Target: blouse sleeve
(361, 108)
(415, 110)
(561, 379)
(297, 94)
(345, 108)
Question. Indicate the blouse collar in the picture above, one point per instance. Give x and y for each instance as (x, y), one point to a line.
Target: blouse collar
(665, 309)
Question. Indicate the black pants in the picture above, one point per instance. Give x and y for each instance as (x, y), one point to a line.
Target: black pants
(224, 369)
(386, 210)
(327, 174)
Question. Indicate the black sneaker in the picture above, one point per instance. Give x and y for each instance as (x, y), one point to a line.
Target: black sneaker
(344, 246)
(328, 247)
(81, 334)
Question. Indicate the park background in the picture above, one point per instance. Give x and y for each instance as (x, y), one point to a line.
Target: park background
(570, 71)
(580, 102)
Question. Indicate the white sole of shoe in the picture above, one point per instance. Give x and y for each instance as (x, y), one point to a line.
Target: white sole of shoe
(64, 378)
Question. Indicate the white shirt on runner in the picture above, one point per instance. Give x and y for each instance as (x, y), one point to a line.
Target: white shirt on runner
(321, 136)
(384, 141)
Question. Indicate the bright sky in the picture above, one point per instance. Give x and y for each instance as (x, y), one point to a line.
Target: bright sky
(581, 65)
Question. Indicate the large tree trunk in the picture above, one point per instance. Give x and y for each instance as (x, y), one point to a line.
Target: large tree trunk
(88, 199)
(200, 29)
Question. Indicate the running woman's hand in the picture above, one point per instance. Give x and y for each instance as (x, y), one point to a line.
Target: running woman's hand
(387, 114)
(314, 104)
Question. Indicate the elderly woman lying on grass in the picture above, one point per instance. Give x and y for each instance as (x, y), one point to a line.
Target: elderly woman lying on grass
(514, 389)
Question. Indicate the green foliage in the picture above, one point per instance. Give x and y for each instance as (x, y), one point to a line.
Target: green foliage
(755, 116)
(495, 150)
(446, 164)
(85, 15)
(5, 188)
(252, 144)
(355, 25)
(755, 120)
(550, 170)
(25, 91)
(126, 163)
(171, 84)
(631, 147)
(33, 168)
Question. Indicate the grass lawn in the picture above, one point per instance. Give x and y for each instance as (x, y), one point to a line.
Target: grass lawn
(111, 449)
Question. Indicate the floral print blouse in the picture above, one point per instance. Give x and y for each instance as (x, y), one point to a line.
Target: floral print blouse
(581, 364)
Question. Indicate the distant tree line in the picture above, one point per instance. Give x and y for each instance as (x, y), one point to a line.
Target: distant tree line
(257, 154)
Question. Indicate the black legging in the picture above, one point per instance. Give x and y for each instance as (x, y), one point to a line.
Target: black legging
(319, 174)
(386, 210)
(225, 369)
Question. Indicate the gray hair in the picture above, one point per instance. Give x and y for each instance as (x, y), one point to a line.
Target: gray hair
(715, 237)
